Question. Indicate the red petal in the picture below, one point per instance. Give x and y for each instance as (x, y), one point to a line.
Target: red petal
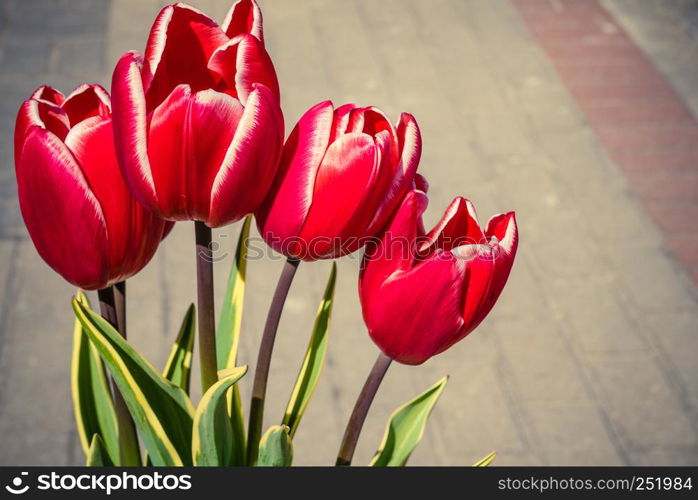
(503, 227)
(416, 311)
(130, 129)
(242, 63)
(285, 209)
(133, 233)
(373, 193)
(48, 93)
(375, 122)
(356, 121)
(212, 121)
(180, 44)
(92, 145)
(410, 147)
(187, 143)
(458, 226)
(86, 101)
(244, 16)
(346, 170)
(409, 142)
(146, 232)
(167, 154)
(42, 114)
(340, 121)
(251, 161)
(395, 250)
(420, 183)
(477, 282)
(64, 219)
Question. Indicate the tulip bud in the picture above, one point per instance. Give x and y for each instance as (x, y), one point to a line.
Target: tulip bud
(77, 209)
(420, 294)
(343, 172)
(197, 122)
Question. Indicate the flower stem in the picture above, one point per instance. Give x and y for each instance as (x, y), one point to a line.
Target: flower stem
(363, 403)
(261, 375)
(120, 306)
(206, 315)
(112, 305)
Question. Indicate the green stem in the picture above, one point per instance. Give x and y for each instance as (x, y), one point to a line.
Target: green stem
(266, 348)
(112, 305)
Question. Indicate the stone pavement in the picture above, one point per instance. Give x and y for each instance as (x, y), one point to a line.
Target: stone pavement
(589, 356)
(638, 117)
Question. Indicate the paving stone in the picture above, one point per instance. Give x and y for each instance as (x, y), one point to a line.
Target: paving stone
(589, 443)
(654, 134)
(676, 334)
(27, 55)
(600, 321)
(680, 186)
(527, 345)
(35, 416)
(8, 256)
(10, 218)
(652, 25)
(56, 18)
(643, 407)
(523, 292)
(672, 217)
(81, 57)
(299, 65)
(661, 286)
(475, 414)
(128, 26)
(685, 246)
(559, 254)
(679, 456)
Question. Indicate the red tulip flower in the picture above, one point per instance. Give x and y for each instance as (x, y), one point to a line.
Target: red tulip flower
(197, 122)
(79, 213)
(420, 294)
(342, 174)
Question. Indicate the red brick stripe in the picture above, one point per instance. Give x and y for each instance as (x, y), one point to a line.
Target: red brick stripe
(644, 125)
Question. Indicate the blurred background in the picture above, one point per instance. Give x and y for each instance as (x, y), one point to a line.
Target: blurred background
(580, 115)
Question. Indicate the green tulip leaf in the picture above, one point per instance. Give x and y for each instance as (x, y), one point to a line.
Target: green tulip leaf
(228, 339)
(161, 411)
(234, 405)
(228, 332)
(213, 440)
(92, 399)
(97, 455)
(275, 448)
(309, 374)
(178, 367)
(406, 427)
(486, 461)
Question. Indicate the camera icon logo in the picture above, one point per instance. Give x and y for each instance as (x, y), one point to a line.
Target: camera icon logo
(16, 488)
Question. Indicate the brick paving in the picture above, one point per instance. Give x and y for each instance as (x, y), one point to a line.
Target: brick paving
(589, 356)
(637, 115)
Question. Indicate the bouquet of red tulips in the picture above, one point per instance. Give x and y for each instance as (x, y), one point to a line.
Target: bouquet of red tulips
(193, 131)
